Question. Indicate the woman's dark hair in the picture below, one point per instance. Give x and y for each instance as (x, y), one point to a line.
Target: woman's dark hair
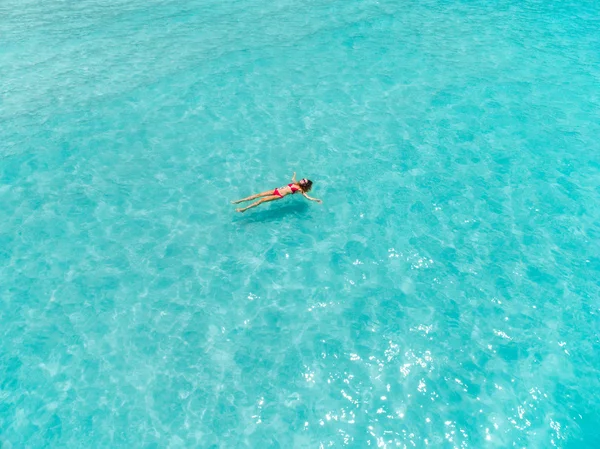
(306, 185)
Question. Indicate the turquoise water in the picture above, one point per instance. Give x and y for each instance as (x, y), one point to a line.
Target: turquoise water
(446, 293)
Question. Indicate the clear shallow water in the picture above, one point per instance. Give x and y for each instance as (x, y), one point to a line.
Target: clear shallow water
(445, 294)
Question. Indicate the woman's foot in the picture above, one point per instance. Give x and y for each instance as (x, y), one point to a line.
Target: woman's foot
(240, 210)
(236, 202)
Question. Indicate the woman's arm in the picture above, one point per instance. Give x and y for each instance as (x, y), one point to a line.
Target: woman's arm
(294, 177)
(312, 199)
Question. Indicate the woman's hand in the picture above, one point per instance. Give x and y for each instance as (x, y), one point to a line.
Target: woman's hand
(294, 177)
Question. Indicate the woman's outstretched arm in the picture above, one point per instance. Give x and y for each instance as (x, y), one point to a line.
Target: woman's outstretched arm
(309, 198)
(294, 177)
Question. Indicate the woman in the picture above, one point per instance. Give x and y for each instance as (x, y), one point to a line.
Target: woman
(303, 186)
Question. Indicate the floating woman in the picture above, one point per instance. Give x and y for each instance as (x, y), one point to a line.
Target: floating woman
(303, 186)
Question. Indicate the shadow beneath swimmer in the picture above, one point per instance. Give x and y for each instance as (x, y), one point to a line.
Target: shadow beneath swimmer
(271, 214)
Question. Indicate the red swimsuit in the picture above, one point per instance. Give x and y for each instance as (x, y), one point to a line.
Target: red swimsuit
(292, 187)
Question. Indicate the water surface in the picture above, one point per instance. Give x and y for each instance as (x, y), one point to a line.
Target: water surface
(445, 293)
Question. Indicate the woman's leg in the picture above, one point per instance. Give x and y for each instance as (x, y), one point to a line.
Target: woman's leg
(264, 200)
(258, 195)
